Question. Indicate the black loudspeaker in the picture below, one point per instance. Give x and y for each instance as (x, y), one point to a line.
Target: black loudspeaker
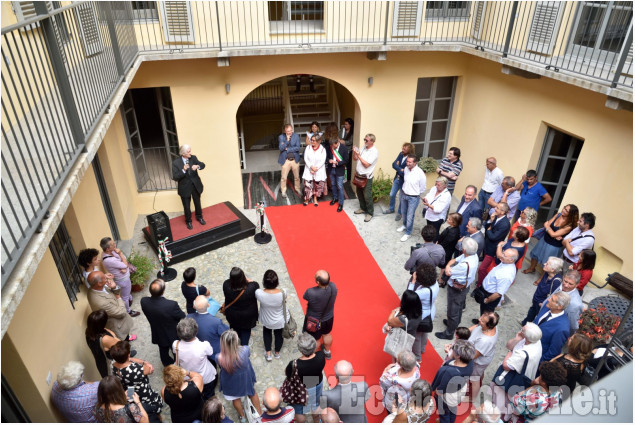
(159, 224)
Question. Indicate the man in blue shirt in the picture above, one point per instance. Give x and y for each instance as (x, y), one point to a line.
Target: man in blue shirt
(532, 193)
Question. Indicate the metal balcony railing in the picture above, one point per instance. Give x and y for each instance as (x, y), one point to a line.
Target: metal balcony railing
(61, 67)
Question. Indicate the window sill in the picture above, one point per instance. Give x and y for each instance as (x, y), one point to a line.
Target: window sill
(296, 27)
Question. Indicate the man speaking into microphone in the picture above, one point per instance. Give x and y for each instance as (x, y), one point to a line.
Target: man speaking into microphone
(185, 171)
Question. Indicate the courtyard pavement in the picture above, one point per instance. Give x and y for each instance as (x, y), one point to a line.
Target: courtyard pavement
(382, 240)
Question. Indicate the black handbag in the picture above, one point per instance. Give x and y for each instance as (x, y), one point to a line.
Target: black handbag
(426, 325)
(517, 381)
(480, 295)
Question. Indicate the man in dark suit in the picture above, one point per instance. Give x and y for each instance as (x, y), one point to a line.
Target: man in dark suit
(336, 159)
(554, 325)
(347, 398)
(163, 316)
(185, 171)
(473, 231)
(210, 328)
(468, 208)
(496, 229)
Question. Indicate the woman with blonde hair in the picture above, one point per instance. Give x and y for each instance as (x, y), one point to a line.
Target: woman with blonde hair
(183, 396)
(237, 376)
(527, 219)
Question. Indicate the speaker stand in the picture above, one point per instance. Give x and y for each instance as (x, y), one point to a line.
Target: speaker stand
(167, 275)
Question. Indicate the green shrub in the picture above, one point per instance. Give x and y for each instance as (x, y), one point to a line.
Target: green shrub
(382, 185)
(428, 165)
(144, 266)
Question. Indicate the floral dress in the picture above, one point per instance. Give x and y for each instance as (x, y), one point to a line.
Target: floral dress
(534, 402)
(130, 414)
(132, 376)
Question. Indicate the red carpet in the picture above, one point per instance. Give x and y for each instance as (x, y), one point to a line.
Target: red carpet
(214, 216)
(320, 238)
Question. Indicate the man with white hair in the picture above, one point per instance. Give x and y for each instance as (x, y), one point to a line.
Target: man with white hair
(554, 324)
(459, 274)
(487, 413)
(347, 398)
(185, 172)
(104, 298)
(210, 328)
(575, 308)
(72, 396)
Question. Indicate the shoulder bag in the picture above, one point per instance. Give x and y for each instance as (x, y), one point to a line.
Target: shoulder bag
(313, 324)
(293, 390)
(517, 381)
(398, 340)
(290, 327)
(224, 308)
(360, 180)
(214, 305)
(426, 324)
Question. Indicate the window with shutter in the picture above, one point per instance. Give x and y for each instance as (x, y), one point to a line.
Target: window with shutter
(447, 9)
(89, 29)
(406, 19)
(26, 10)
(479, 17)
(177, 21)
(544, 26)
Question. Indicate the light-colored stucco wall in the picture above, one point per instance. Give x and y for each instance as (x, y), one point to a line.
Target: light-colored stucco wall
(494, 114)
(46, 331)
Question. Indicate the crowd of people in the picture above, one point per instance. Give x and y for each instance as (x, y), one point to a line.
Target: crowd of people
(478, 253)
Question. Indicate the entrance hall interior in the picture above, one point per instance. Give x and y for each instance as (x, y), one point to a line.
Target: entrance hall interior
(295, 99)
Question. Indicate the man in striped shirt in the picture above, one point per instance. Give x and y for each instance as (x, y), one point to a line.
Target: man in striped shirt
(73, 397)
(450, 167)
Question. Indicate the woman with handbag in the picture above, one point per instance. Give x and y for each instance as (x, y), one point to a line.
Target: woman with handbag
(241, 306)
(555, 230)
(408, 312)
(271, 313)
(237, 375)
(544, 394)
(304, 379)
(114, 406)
(424, 283)
(520, 363)
(193, 354)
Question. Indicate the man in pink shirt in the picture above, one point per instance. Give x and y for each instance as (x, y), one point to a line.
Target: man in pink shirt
(115, 262)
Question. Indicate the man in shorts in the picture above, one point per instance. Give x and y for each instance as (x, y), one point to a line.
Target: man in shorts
(318, 321)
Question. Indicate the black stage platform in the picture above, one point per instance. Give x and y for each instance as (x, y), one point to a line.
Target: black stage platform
(216, 234)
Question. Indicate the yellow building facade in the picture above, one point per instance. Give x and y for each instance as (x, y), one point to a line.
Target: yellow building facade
(493, 114)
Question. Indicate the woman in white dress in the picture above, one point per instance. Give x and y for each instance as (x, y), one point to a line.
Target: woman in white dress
(314, 171)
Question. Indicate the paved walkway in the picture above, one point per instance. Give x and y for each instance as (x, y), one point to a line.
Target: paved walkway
(383, 242)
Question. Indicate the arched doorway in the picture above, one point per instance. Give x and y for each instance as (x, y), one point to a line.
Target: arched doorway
(295, 99)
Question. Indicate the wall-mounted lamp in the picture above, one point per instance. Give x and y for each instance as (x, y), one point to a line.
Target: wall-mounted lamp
(227, 87)
(370, 81)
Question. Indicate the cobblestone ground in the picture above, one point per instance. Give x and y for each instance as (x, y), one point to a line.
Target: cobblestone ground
(383, 242)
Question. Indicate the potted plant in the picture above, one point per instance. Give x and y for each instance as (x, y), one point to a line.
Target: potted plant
(598, 324)
(428, 165)
(381, 186)
(144, 267)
